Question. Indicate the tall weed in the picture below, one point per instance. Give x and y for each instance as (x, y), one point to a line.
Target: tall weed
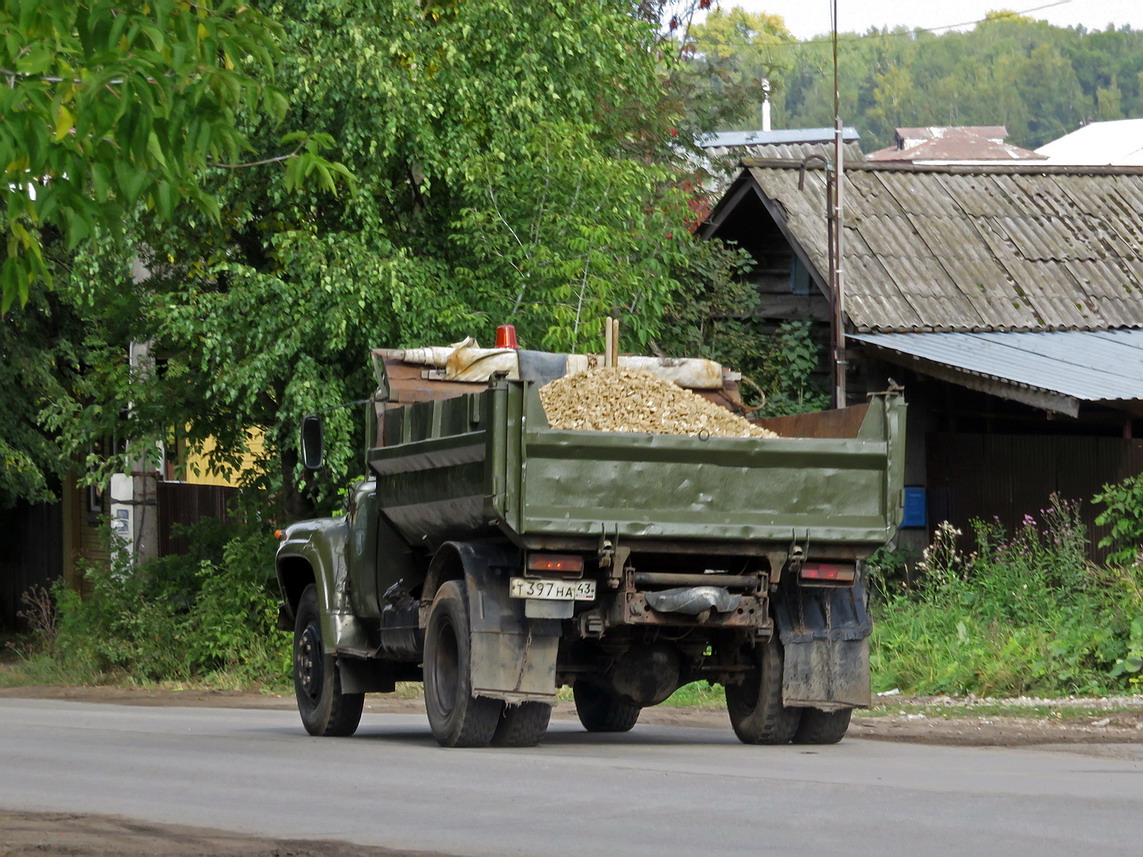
(1020, 612)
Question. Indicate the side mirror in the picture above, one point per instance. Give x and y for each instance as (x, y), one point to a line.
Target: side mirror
(313, 442)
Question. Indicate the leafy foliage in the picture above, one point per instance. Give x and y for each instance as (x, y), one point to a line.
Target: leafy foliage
(713, 317)
(41, 350)
(727, 57)
(1131, 664)
(554, 245)
(504, 173)
(1022, 612)
(206, 617)
(110, 107)
(1124, 516)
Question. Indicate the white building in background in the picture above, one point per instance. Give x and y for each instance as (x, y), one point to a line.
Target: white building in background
(1117, 143)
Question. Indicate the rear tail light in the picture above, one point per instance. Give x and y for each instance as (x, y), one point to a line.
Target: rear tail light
(563, 564)
(827, 572)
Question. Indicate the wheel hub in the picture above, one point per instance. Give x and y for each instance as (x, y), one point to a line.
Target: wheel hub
(308, 662)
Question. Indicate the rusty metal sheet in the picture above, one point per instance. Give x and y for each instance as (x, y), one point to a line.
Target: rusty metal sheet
(843, 422)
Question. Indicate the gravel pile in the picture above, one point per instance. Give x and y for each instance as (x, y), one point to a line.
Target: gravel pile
(637, 401)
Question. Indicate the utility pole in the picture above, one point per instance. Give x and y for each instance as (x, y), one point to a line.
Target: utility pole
(837, 288)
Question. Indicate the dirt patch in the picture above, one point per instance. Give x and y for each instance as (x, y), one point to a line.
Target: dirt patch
(1004, 731)
(42, 834)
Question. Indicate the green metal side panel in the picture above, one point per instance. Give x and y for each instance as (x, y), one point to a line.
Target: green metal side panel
(724, 488)
(433, 478)
(453, 468)
(685, 488)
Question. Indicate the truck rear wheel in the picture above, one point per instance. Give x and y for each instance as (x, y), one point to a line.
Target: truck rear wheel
(456, 716)
(822, 727)
(324, 709)
(755, 705)
(599, 710)
(522, 725)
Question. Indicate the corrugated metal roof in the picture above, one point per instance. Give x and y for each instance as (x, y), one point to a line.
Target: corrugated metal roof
(1004, 248)
(935, 132)
(959, 143)
(786, 151)
(1064, 368)
(781, 137)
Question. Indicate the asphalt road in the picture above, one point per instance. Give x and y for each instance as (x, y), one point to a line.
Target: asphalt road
(658, 790)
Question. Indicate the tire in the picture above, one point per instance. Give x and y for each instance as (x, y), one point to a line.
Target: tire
(522, 725)
(822, 727)
(755, 705)
(457, 718)
(324, 709)
(600, 711)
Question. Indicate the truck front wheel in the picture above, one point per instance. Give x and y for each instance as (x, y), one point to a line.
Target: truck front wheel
(755, 705)
(325, 710)
(456, 716)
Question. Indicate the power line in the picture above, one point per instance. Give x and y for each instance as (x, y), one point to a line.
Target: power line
(982, 20)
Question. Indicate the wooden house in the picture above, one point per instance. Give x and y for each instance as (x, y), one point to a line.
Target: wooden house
(1006, 300)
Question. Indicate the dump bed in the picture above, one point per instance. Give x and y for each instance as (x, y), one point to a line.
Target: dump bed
(487, 462)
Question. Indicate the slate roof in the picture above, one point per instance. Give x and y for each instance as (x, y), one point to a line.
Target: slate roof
(953, 248)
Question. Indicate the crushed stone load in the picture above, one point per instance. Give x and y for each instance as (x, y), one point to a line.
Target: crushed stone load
(637, 401)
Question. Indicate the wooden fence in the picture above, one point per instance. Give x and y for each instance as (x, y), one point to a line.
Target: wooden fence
(180, 505)
(1010, 476)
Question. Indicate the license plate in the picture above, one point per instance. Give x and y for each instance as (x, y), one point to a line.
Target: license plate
(552, 590)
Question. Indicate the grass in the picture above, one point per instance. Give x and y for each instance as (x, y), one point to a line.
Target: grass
(698, 694)
(1023, 613)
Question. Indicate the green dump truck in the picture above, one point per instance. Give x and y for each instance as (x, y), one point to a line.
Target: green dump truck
(497, 560)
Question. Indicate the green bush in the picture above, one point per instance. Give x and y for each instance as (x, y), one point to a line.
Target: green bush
(206, 617)
(1124, 515)
(1021, 612)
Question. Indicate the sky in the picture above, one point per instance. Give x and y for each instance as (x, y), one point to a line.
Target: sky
(807, 18)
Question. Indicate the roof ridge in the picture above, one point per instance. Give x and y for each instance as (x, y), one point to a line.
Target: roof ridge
(1028, 168)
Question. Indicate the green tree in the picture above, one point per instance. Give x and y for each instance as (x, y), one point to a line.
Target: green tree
(1109, 101)
(728, 56)
(1051, 92)
(504, 174)
(109, 107)
(1037, 80)
(40, 349)
(891, 97)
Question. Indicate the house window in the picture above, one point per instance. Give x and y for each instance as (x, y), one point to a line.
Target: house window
(799, 277)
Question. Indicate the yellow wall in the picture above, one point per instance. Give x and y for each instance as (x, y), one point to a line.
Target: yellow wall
(196, 471)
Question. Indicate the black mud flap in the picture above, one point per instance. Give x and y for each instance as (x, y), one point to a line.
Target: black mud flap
(825, 635)
(286, 618)
(513, 657)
